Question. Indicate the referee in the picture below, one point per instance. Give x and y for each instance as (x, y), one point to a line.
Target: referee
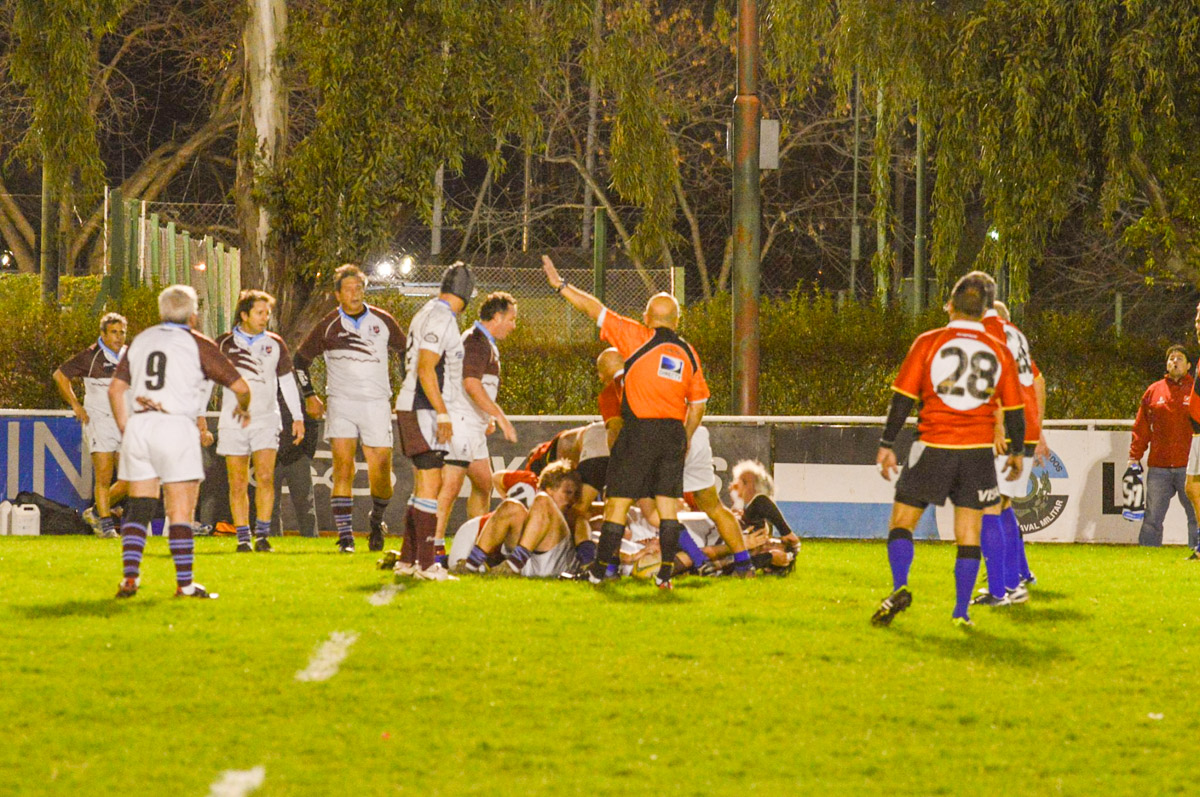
(662, 406)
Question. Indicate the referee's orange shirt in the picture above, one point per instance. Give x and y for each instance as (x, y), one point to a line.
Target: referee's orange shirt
(664, 377)
(960, 374)
(610, 398)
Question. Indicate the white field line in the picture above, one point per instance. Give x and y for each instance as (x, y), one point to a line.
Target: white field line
(325, 661)
(238, 782)
(384, 596)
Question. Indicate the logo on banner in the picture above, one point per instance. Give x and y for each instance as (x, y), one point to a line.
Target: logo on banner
(1041, 507)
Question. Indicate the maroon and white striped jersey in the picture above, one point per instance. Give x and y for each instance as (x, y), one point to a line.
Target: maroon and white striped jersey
(264, 362)
(95, 365)
(170, 368)
(356, 353)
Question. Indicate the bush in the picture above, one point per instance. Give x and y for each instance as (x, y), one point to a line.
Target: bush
(816, 359)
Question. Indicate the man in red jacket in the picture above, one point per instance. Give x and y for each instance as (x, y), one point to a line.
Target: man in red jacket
(1164, 425)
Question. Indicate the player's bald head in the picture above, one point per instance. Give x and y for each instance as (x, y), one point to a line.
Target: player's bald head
(662, 311)
(608, 364)
(1002, 310)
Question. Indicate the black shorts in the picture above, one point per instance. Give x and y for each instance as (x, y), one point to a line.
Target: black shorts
(647, 459)
(594, 473)
(967, 476)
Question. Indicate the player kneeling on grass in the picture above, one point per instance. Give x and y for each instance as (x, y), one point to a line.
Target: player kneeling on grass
(541, 544)
(960, 375)
(157, 391)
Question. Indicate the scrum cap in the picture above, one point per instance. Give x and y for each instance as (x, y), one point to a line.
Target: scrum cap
(458, 281)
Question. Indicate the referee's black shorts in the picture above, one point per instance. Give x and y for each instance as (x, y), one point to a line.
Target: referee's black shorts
(967, 476)
(647, 459)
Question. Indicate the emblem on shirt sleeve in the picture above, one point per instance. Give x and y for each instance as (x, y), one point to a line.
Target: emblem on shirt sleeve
(670, 368)
(431, 337)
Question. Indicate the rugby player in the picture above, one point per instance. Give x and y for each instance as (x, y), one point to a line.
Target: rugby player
(959, 374)
(432, 381)
(540, 542)
(752, 491)
(662, 405)
(1000, 538)
(262, 358)
(355, 339)
(95, 365)
(165, 378)
(473, 414)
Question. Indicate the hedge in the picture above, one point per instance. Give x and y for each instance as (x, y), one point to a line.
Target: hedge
(816, 359)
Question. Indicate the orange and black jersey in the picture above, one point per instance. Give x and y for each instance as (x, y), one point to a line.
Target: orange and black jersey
(541, 455)
(610, 398)
(959, 374)
(662, 371)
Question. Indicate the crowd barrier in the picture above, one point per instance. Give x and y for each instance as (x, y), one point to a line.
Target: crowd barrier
(826, 483)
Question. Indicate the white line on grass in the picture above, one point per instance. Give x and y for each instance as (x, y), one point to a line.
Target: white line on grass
(384, 596)
(238, 782)
(325, 661)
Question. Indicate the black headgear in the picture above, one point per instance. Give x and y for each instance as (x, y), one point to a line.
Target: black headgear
(458, 281)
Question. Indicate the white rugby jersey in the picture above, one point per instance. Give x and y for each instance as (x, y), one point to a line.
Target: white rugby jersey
(434, 328)
(356, 353)
(95, 365)
(481, 360)
(168, 368)
(264, 362)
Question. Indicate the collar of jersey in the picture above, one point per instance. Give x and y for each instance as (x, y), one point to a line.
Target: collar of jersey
(109, 353)
(486, 334)
(975, 325)
(451, 309)
(248, 340)
(173, 325)
(352, 319)
(991, 314)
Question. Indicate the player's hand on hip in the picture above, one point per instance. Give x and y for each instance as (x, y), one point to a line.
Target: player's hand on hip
(241, 416)
(1013, 467)
(510, 434)
(314, 407)
(445, 429)
(551, 272)
(297, 432)
(885, 462)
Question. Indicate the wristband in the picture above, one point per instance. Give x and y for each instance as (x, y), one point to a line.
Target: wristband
(443, 417)
(561, 286)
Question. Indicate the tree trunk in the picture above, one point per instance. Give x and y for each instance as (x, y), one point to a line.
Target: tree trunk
(589, 153)
(48, 254)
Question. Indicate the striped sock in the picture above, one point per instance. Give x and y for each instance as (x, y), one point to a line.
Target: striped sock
(243, 533)
(519, 556)
(424, 528)
(133, 542)
(378, 507)
(107, 524)
(477, 556)
(439, 552)
(343, 516)
(181, 551)
(262, 528)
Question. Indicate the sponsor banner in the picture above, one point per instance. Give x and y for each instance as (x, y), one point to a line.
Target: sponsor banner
(826, 481)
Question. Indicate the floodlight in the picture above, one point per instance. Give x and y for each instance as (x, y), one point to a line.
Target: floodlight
(406, 265)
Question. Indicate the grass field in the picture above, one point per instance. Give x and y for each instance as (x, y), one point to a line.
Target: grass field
(502, 686)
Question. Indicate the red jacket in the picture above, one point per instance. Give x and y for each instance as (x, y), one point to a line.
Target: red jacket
(1164, 424)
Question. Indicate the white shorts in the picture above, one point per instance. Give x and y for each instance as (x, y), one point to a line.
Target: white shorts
(160, 446)
(698, 467)
(234, 441)
(1193, 466)
(1018, 488)
(370, 421)
(549, 564)
(464, 541)
(595, 442)
(102, 434)
(469, 442)
(700, 528)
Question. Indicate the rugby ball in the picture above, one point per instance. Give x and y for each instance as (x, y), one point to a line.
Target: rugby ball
(647, 566)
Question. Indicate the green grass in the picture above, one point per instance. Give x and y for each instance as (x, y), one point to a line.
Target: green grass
(500, 686)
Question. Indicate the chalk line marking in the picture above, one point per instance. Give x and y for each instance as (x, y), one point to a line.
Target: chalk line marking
(328, 657)
(238, 782)
(384, 596)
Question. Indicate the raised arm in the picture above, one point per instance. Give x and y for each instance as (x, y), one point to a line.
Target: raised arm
(580, 299)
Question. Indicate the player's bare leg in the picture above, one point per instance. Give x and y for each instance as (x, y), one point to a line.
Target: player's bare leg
(503, 527)
(453, 477)
(480, 499)
(237, 469)
(341, 501)
(727, 526)
(379, 474)
(264, 497)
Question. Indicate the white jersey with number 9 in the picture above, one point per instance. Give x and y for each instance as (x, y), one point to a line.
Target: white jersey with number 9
(964, 372)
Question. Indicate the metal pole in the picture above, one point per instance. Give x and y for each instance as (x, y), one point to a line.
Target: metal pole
(599, 253)
(1118, 314)
(881, 276)
(48, 256)
(919, 242)
(855, 227)
(747, 214)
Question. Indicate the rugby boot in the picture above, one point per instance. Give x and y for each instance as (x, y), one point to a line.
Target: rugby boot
(345, 547)
(388, 561)
(195, 590)
(128, 587)
(1018, 595)
(245, 547)
(375, 541)
(964, 623)
(263, 545)
(988, 599)
(891, 606)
